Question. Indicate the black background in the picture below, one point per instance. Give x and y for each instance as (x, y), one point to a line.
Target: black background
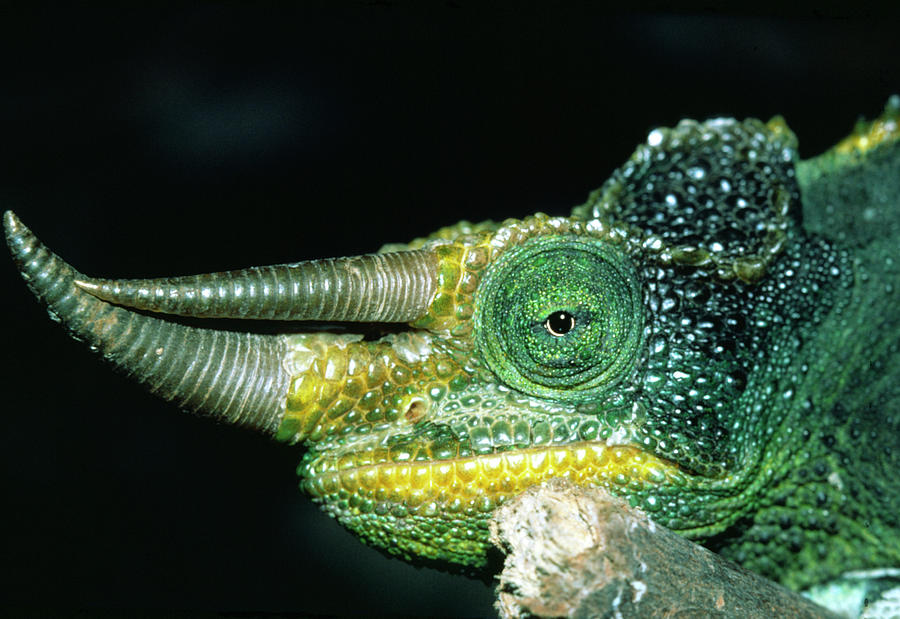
(149, 142)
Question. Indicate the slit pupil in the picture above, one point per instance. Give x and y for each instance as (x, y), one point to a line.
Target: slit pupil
(559, 323)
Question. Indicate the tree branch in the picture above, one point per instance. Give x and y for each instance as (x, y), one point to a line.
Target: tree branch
(580, 552)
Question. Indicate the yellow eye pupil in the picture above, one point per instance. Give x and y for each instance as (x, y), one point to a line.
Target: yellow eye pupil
(559, 323)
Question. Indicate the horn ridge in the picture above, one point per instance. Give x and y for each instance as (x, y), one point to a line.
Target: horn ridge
(389, 287)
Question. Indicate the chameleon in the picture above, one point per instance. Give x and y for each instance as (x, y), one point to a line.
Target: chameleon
(712, 335)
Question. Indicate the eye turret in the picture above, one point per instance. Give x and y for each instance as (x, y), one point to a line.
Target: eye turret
(560, 317)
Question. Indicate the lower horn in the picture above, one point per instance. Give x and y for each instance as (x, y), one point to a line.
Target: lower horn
(236, 377)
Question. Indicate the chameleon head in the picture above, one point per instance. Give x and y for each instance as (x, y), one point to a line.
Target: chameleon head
(608, 347)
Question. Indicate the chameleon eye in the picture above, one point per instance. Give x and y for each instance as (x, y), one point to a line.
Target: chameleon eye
(560, 317)
(559, 323)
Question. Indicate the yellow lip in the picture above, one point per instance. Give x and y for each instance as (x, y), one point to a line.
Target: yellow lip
(478, 483)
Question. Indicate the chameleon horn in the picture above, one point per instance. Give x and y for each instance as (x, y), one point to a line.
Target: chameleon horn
(389, 287)
(236, 377)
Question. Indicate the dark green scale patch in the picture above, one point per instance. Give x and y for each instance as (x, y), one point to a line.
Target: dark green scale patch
(832, 510)
(719, 186)
(700, 344)
(830, 445)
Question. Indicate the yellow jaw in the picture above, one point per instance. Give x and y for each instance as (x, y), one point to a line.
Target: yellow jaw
(478, 483)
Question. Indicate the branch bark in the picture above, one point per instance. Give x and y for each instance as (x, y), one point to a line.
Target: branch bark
(580, 552)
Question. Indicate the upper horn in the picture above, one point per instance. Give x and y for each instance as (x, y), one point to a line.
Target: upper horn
(389, 287)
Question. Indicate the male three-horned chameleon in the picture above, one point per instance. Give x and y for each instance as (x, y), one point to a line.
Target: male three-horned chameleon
(713, 335)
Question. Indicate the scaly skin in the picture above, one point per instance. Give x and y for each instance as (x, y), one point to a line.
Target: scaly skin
(685, 339)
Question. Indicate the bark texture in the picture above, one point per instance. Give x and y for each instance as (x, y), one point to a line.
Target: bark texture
(579, 552)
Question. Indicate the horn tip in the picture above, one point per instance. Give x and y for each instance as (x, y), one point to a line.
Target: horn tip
(20, 240)
(11, 223)
(87, 286)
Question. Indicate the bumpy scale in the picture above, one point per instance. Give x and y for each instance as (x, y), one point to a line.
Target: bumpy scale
(695, 338)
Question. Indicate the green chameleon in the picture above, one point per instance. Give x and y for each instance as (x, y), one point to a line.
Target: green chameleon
(713, 336)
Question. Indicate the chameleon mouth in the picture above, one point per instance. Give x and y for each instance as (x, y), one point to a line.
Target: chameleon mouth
(368, 482)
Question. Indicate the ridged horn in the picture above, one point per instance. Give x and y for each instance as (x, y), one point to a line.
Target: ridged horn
(236, 377)
(390, 287)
